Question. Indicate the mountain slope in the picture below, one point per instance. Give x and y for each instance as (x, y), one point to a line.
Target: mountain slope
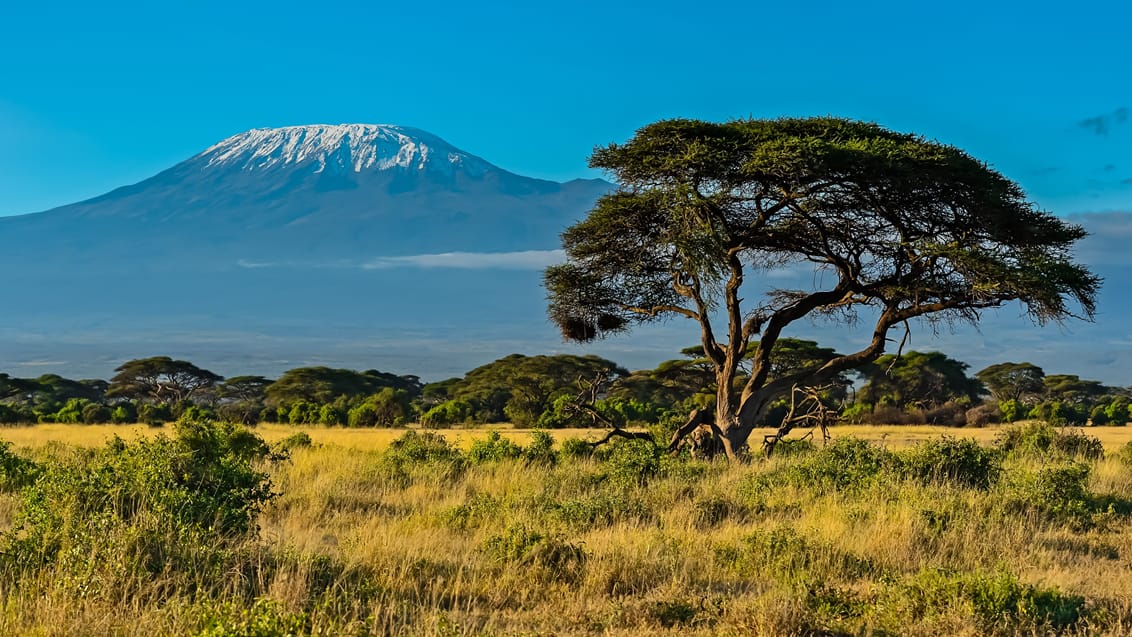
(309, 193)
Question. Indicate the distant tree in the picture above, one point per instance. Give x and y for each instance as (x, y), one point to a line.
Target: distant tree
(243, 389)
(386, 408)
(1013, 381)
(520, 388)
(241, 398)
(1070, 388)
(888, 221)
(322, 385)
(160, 380)
(918, 379)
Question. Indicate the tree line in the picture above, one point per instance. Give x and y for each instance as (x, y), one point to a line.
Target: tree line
(545, 391)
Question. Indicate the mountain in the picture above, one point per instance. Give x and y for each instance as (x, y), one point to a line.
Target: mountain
(307, 194)
(279, 246)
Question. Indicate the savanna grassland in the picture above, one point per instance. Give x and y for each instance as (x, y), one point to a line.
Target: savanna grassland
(206, 529)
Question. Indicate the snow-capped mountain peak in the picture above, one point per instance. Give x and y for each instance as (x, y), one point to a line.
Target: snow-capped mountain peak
(341, 148)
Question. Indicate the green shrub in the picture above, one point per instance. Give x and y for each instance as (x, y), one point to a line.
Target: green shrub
(632, 462)
(264, 618)
(294, 441)
(447, 413)
(541, 449)
(1125, 455)
(493, 448)
(426, 446)
(421, 456)
(95, 413)
(15, 471)
(154, 415)
(847, 463)
(785, 555)
(107, 522)
(857, 413)
(1058, 492)
(550, 558)
(577, 448)
(959, 461)
(1040, 439)
(600, 509)
(998, 601)
(124, 414)
(712, 511)
(1012, 410)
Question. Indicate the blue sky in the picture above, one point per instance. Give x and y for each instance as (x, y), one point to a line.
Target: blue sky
(98, 95)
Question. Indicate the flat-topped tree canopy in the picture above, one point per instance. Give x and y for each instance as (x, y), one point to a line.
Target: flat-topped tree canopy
(890, 221)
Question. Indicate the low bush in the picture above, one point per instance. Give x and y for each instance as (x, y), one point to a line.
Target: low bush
(106, 521)
(1000, 602)
(541, 449)
(1042, 440)
(549, 557)
(846, 463)
(959, 461)
(1058, 492)
(493, 448)
(15, 471)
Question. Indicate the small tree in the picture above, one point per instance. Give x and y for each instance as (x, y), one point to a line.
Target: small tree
(885, 221)
(1013, 381)
(160, 379)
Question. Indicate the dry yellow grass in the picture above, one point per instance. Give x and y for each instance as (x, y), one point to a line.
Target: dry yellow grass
(892, 436)
(700, 549)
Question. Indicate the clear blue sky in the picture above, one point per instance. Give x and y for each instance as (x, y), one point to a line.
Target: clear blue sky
(99, 95)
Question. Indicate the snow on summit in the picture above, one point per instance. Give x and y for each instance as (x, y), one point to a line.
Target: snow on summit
(341, 148)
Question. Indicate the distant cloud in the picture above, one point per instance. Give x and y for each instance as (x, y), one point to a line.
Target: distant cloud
(243, 263)
(521, 260)
(1102, 124)
(524, 260)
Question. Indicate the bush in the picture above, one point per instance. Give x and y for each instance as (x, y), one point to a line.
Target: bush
(541, 449)
(387, 408)
(948, 415)
(551, 558)
(1012, 410)
(447, 413)
(15, 471)
(154, 415)
(890, 415)
(576, 448)
(494, 448)
(1125, 455)
(632, 462)
(95, 413)
(998, 601)
(124, 414)
(425, 446)
(1059, 493)
(958, 461)
(111, 519)
(848, 463)
(265, 618)
(1039, 439)
(295, 441)
(857, 413)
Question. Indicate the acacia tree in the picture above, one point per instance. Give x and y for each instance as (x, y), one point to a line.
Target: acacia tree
(890, 223)
(160, 379)
(1013, 381)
